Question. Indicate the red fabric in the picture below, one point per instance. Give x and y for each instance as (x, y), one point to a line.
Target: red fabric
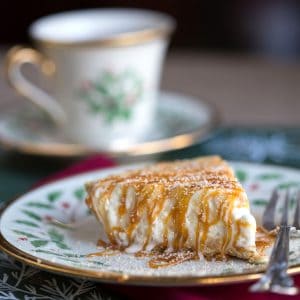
(88, 164)
(220, 292)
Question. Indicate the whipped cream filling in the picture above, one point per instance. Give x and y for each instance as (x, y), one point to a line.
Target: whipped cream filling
(240, 234)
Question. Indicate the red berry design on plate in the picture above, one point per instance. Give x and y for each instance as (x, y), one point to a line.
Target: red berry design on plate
(65, 205)
(48, 218)
(254, 187)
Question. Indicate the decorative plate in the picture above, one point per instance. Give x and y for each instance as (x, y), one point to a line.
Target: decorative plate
(28, 234)
(180, 121)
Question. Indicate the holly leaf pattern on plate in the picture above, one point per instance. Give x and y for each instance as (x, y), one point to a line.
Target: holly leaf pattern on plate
(32, 215)
(39, 243)
(241, 175)
(54, 196)
(27, 223)
(57, 238)
(27, 234)
(260, 202)
(39, 205)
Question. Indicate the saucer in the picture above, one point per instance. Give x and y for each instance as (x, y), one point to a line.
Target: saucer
(180, 121)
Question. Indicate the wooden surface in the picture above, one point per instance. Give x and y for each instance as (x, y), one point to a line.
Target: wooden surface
(246, 90)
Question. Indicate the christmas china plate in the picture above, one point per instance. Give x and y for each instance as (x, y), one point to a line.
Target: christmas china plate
(35, 229)
(180, 121)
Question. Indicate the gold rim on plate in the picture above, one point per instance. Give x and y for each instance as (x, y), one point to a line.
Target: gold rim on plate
(114, 277)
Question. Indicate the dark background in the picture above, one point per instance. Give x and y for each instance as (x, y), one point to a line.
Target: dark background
(271, 27)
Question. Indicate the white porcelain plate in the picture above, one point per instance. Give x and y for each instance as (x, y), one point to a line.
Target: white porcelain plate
(27, 234)
(180, 121)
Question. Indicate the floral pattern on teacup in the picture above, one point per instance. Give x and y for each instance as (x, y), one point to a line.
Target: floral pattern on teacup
(112, 94)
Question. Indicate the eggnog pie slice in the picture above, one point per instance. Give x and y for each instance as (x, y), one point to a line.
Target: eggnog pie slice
(190, 207)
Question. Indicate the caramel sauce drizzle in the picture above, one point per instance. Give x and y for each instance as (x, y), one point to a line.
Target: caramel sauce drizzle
(176, 182)
(264, 239)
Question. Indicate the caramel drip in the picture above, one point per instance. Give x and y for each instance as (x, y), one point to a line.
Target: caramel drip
(203, 218)
(197, 235)
(184, 204)
(216, 195)
(228, 223)
(151, 202)
(178, 213)
(143, 201)
(221, 216)
(165, 231)
(155, 208)
(264, 239)
(88, 202)
(159, 203)
(101, 243)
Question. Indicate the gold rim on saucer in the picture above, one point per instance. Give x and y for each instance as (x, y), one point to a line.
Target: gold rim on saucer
(175, 142)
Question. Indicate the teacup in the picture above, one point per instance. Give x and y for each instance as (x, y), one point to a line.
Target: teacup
(105, 65)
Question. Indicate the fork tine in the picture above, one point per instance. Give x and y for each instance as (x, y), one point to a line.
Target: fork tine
(285, 212)
(268, 219)
(296, 222)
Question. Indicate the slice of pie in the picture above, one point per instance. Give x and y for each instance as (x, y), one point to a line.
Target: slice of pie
(190, 206)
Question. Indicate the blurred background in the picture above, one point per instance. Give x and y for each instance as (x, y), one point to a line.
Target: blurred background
(240, 55)
(270, 27)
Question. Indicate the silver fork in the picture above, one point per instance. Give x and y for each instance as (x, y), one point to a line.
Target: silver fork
(276, 279)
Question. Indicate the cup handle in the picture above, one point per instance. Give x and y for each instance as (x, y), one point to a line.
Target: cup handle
(15, 59)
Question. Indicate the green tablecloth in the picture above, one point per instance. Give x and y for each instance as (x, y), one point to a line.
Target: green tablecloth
(19, 172)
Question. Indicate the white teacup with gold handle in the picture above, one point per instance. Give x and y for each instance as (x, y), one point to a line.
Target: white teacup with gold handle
(105, 65)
